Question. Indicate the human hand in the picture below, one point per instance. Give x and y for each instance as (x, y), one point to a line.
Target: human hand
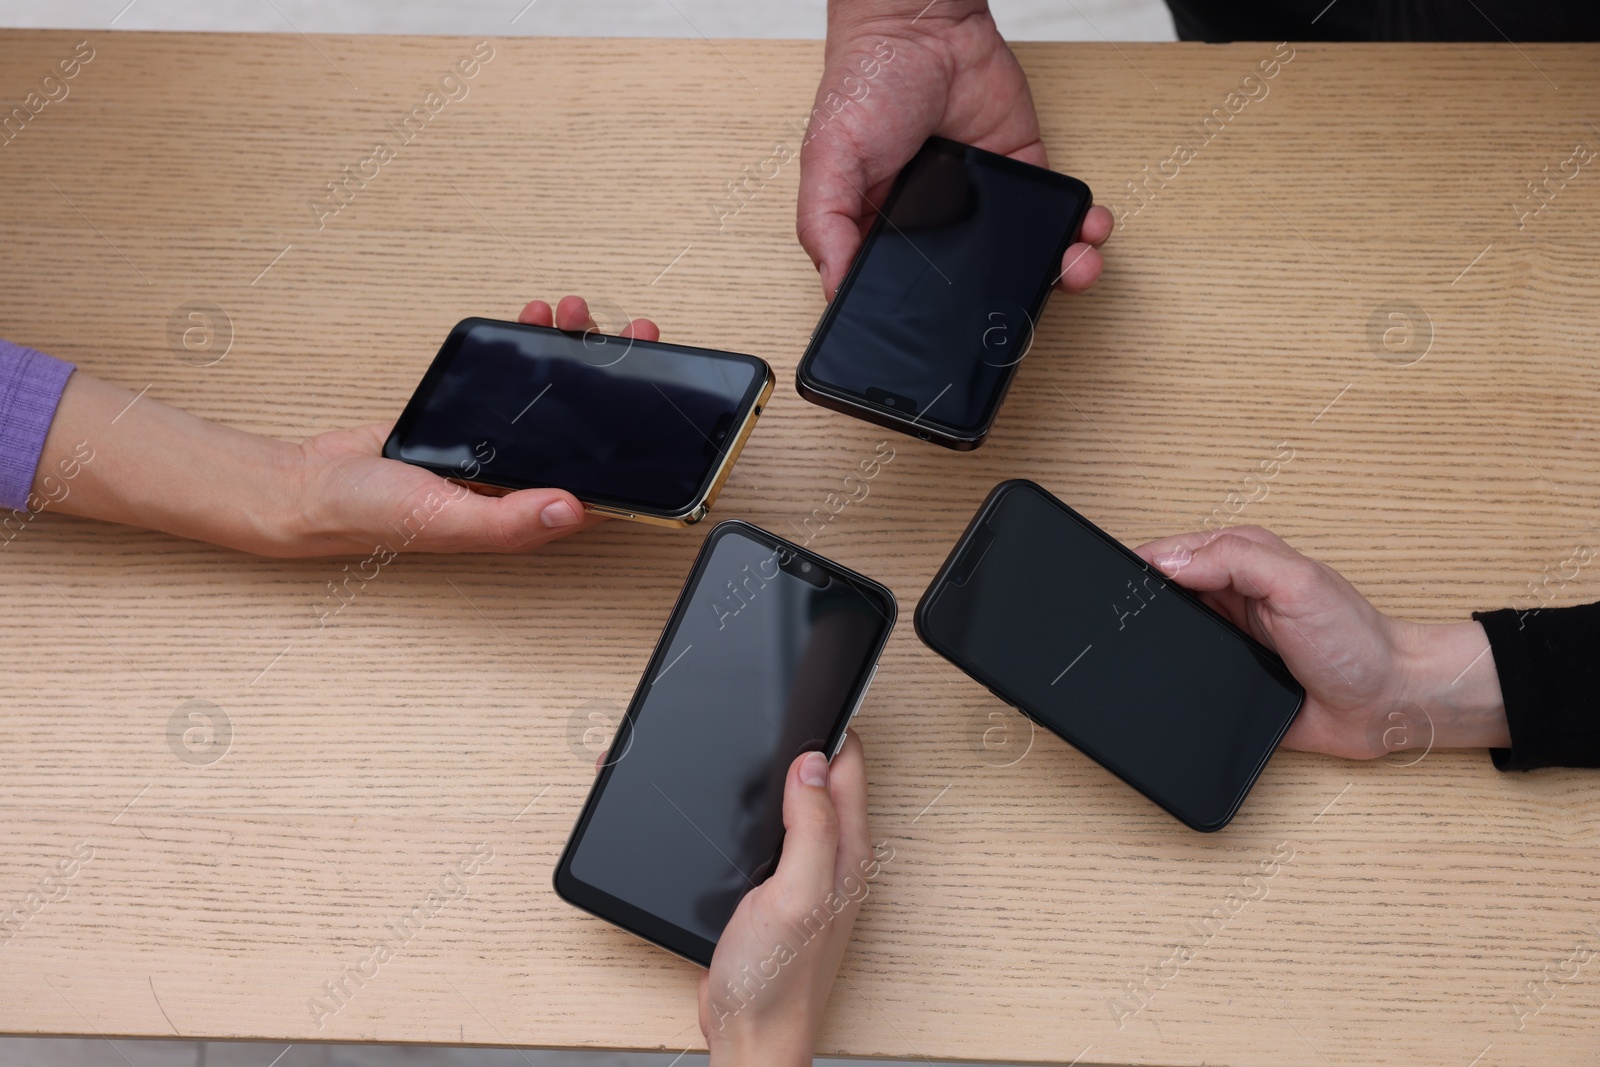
(144, 463)
(353, 499)
(1373, 684)
(761, 1001)
(896, 71)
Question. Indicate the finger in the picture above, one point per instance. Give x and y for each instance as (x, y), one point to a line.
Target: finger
(1080, 268)
(832, 208)
(572, 313)
(1097, 225)
(537, 313)
(847, 785)
(811, 833)
(642, 330)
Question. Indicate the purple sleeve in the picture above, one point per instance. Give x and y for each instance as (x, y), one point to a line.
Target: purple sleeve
(30, 388)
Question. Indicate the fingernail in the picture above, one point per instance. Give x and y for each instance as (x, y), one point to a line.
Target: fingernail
(814, 769)
(558, 514)
(1173, 562)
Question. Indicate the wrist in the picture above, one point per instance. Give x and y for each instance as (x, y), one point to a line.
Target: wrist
(1451, 675)
(281, 516)
(245, 501)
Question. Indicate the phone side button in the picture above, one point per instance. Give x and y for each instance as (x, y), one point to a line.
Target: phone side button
(854, 712)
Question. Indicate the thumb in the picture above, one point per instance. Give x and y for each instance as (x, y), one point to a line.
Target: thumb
(832, 205)
(541, 511)
(1258, 569)
(511, 522)
(811, 840)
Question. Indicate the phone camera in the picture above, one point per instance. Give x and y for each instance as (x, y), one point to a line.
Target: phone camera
(889, 400)
(806, 571)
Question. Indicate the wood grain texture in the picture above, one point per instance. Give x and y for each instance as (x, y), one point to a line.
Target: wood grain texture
(445, 710)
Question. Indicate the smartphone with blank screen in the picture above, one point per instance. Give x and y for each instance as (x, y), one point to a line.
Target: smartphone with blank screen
(939, 308)
(1082, 636)
(637, 429)
(768, 654)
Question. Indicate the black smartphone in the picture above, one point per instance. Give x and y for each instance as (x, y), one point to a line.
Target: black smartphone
(1062, 621)
(637, 429)
(939, 307)
(767, 654)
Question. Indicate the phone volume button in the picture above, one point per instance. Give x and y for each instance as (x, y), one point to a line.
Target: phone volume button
(854, 712)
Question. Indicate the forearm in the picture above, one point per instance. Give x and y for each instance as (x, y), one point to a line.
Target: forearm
(1451, 676)
(155, 466)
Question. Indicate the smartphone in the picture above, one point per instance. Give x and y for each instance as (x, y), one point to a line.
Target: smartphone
(939, 307)
(637, 429)
(767, 654)
(1089, 641)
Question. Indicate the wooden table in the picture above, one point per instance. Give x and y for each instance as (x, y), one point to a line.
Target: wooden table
(219, 877)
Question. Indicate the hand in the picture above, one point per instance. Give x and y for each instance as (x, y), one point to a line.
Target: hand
(891, 77)
(155, 466)
(1373, 684)
(762, 1000)
(353, 498)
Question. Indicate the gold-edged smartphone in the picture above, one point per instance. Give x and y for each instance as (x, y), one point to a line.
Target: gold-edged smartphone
(641, 430)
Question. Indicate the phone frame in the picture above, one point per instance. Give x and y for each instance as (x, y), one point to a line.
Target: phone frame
(824, 394)
(750, 409)
(998, 688)
(621, 913)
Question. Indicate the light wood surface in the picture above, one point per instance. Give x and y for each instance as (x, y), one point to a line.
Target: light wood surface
(445, 709)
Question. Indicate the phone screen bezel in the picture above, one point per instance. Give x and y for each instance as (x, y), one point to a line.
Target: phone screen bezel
(838, 398)
(635, 920)
(748, 407)
(1269, 659)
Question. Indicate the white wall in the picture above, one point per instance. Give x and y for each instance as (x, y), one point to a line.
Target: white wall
(1025, 20)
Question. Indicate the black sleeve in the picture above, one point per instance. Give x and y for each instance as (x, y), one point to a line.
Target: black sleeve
(1385, 20)
(1549, 665)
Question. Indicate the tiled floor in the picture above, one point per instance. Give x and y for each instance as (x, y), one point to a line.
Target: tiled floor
(1092, 20)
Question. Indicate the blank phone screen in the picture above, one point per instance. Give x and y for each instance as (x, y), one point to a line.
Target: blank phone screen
(760, 664)
(942, 304)
(613, 421)
(1104, 652)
